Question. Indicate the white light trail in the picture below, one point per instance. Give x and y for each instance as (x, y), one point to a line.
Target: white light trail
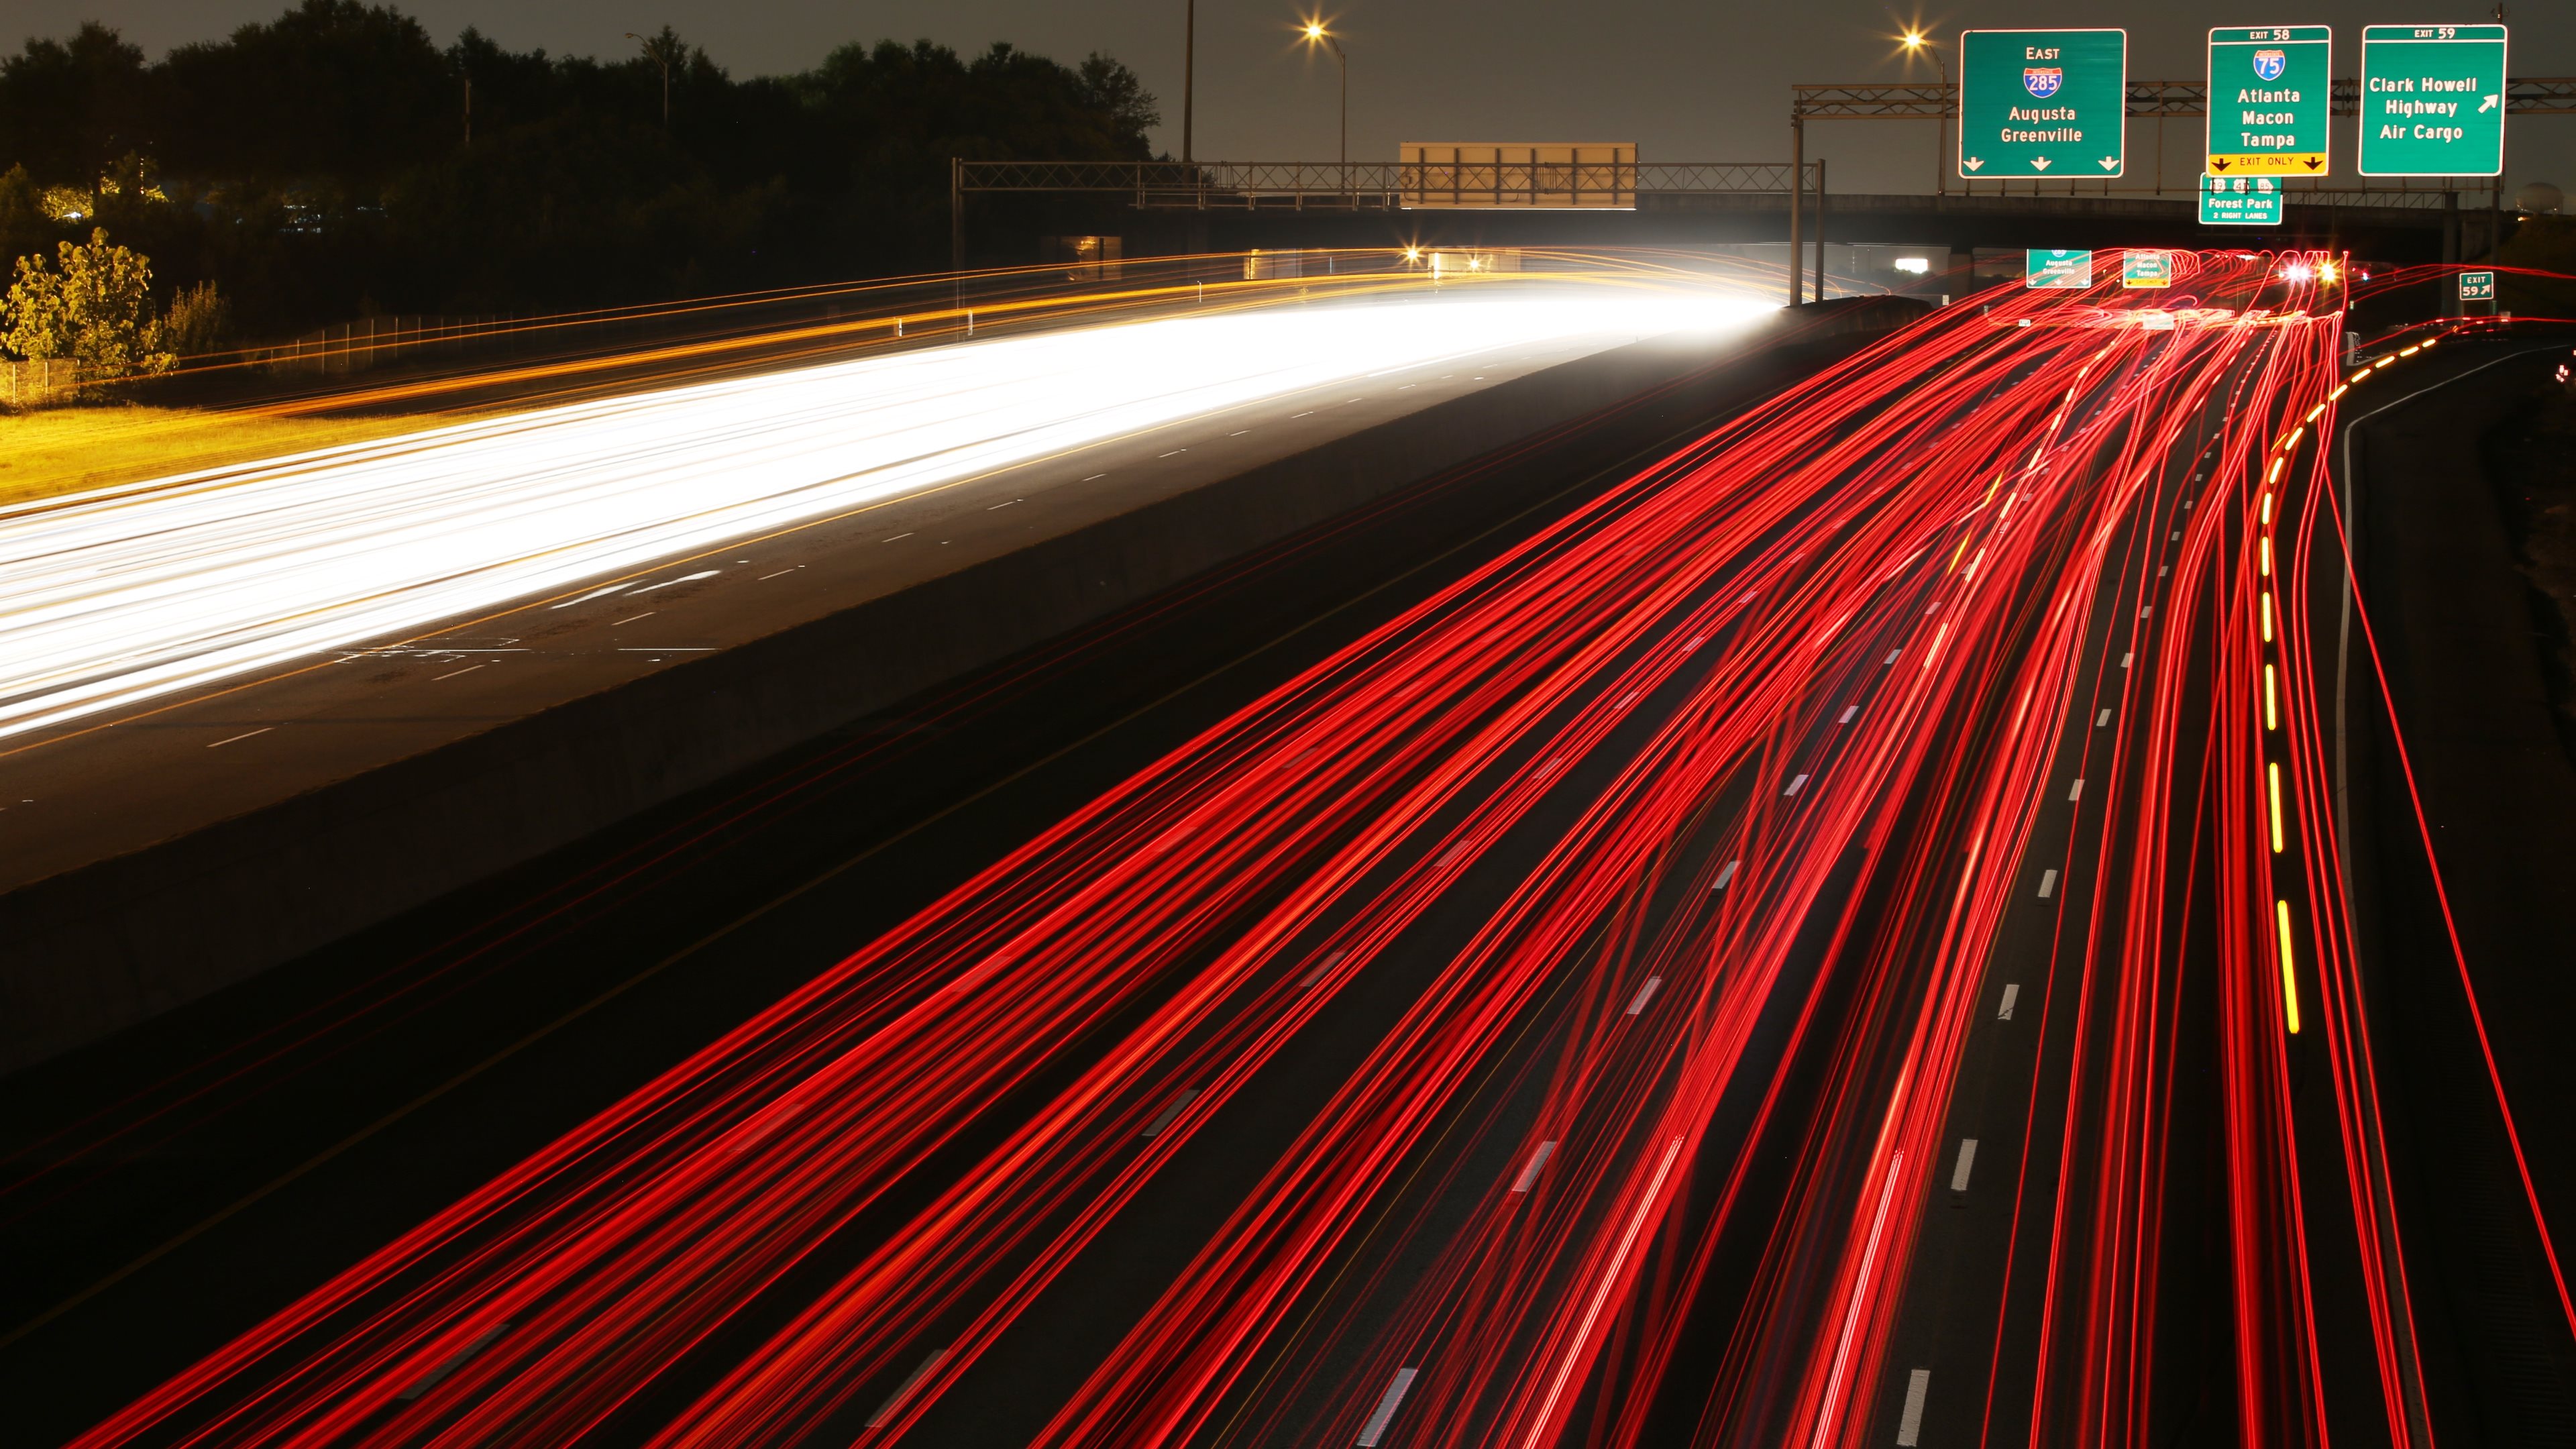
(135, 592)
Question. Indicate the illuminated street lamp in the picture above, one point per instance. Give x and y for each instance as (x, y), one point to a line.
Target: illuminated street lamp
(1916, 42)
(1315, 32)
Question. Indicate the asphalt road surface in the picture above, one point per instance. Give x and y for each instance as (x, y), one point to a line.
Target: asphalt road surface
(1822, 926)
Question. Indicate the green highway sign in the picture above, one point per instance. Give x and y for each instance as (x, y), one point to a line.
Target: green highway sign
(2043, 102)
(2432, 100)
(2240, 201)
(2146, 269)
(2477, 286)
(2058, 269)
(2268, 91)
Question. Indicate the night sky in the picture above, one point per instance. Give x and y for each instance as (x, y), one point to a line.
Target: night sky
(1685, 81)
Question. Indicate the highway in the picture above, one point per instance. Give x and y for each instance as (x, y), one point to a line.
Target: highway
(1836, 934)
(183, 651)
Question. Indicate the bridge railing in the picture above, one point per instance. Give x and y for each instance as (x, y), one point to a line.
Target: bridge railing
(1382, 185)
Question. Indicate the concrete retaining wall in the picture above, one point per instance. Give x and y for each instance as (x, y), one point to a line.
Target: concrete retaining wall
(107, 945)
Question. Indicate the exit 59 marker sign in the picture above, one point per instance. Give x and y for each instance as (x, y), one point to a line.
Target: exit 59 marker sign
(2043, 103)
(2269, 86)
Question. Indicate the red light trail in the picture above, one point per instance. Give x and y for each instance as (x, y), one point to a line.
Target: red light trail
(1663, 872)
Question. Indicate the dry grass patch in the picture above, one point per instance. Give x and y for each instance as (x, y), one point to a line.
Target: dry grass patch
(65, 450)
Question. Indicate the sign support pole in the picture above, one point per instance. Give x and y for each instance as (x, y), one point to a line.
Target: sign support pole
(1797, 199)
(1820, 228)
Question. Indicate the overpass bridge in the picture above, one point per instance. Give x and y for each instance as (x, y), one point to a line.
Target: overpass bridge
(1467, 200)
(1163, 208)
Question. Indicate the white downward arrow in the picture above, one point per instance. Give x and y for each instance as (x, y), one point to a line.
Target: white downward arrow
(2110, 163)
(2039, 163)
(1974, 163)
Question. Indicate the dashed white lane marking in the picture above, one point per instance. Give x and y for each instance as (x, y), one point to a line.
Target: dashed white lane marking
(452, 1363)
(2103, 719)
(1094, 478)
(1375, 1429)
(2125, 657)
(593, 594)
(2147, 612)
(2012, 993)
(682, 579)
(1239, 432)
(647, 614)
(451, 674)
(219, 744)
(1176, 452)
(1909, 1426)
(1967, 1159)
(782, 573)
(2176, 537)
(1537, 1163)
(1327, 964)
(2048, 885)
(1892, 653)
(2076, 791)
(1170, 1114)
(1000, 506)
(900, 537)
(2160, 571)
(1796, 785)
(1308, 413)
(1645, 993)
(1848, 711)
(903, 1391)
(1725, 873)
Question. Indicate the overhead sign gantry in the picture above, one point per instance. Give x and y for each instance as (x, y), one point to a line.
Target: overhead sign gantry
(2043, 103)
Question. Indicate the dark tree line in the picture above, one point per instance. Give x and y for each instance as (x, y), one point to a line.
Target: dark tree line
(330, 162)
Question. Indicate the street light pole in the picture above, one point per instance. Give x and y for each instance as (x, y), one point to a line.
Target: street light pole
(1916, 40)
(1189, 70)
(1315, 32)
(653, 52)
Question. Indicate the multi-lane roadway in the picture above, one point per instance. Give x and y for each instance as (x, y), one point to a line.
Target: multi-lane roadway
(1838, 935)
